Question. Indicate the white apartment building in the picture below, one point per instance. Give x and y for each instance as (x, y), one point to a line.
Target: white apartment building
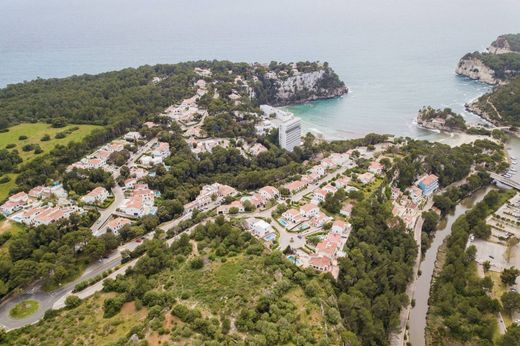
(290, 132)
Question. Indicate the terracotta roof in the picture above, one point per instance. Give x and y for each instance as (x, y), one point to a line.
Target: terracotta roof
(295, 185)
(308, 207)
(339, 223)
(429, 179)
(97, 191)
(319, 261)
(118, 222)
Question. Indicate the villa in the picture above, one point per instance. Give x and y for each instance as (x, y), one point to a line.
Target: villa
(115, 225)
(346, 210)
(342, 182)
(375, 168)
(269, 192)
(98, 195)
(295, 186)
(319, 195)
(320, 219)
(330, 189)
(261, 228)
(416, 194)
(309, 210)
(366, 178)
(132, 136)
(428, 184)
(162, 151)
(292, 215)
(225, 209)
(339, 227)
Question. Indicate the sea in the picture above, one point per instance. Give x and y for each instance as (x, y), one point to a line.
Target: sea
(394, 55)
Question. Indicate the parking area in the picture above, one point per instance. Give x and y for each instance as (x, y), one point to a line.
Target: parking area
(492, 252)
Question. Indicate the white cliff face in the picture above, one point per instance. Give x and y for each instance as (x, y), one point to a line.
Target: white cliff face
(500, 46)
(291, 85)
(498, 50)
(305, 82)
(475, 69)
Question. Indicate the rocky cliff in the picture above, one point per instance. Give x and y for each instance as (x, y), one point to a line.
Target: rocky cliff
(297, 83)
(500, 46)
(473, 67)
(497, 66)
(308, 86)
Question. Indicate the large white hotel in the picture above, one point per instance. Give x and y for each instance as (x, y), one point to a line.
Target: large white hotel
(289, 127)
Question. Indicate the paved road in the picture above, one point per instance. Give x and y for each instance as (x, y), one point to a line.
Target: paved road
(47, 299)
(119, 197)
(56, 298)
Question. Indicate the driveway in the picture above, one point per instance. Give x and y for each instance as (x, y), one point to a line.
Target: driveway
(119, 197)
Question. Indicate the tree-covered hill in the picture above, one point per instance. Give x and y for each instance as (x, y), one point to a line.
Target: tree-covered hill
(508, 42)
(137, 92)
(502, 105)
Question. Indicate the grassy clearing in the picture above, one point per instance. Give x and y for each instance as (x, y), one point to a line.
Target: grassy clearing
(34, 133)
(24, 309)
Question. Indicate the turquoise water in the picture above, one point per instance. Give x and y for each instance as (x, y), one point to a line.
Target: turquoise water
(395, 55)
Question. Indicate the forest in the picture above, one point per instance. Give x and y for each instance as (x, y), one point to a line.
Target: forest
(460, 307)
(505, 100)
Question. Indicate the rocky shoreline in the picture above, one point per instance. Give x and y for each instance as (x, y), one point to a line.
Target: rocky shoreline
(474, 68)
(496, 66)
(304, 87)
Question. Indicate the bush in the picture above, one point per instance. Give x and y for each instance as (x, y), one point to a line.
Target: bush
(28, 147)
(196, 263)
(4, 179)
(60, 135)
(22, 137)
(45, 138)
(59, 122)
(10, 146)
(72, 301)
(112, 306)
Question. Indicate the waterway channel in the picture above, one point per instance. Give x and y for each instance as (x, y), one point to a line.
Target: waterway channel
(417, 320)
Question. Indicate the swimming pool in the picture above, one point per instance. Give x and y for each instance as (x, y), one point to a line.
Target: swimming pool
(282, 222)
(270, 236)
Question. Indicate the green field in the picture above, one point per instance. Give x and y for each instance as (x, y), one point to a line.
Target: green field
(34, 133)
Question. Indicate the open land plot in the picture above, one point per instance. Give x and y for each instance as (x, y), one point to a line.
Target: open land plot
(34, 133)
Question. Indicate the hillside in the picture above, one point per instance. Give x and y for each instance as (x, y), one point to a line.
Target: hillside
(497, 66)
(134, 93)
(501, 106)
(505, 44)
(232, 291)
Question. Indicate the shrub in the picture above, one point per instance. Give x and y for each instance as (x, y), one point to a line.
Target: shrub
(22, 137)
(28, 147)
(10, 145)
(196, 263)
(4, 179)
(72, 301)
(60, 135)
(45, 138)
(112, 306)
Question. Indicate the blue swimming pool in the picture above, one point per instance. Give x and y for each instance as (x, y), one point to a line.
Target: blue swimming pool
(282, 222)
(270, 236)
